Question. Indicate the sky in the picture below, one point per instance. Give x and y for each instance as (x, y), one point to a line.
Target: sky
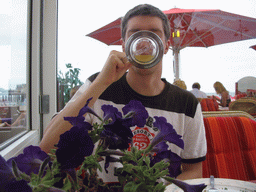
(226, 63)
(13, 43)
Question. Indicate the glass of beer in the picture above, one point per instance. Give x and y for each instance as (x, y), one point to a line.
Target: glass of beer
(144, 49)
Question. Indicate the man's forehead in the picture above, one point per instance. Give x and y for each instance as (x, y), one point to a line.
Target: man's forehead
(141, 19)
(137, 23)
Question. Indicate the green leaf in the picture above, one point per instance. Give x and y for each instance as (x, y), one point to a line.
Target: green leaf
(90, 162)
(140, 161)
(160, 187)
(43, 166)
(69, 65)
(169, 179)
(15, 170)
(67, 185)
(25, 177)
(129, 168)
(131, 187)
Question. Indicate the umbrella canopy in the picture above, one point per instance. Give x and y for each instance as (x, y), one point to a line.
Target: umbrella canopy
(253, 47)
(191, 28)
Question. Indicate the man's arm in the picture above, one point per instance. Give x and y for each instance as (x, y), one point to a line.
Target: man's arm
(190, 171)
(115, 67)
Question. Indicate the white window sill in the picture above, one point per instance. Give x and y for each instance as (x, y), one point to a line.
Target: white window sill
(30, 138)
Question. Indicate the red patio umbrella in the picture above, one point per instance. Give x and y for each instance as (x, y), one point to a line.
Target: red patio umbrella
(253, 47)
(192, 28)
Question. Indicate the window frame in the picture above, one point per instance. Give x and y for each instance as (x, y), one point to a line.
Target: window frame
(41, 73)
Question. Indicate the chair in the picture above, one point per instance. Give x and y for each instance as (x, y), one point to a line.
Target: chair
(240, 95)
(208, 104)
(227, 114)
(251, 92)
(231, 146)
(247, 105)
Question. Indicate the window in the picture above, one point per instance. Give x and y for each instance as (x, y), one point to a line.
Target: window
(36, 71)
(14, 61)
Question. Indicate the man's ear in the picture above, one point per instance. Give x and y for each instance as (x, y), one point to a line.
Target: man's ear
(167, 45)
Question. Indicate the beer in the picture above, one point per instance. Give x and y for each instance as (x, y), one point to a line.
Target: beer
(144, 58)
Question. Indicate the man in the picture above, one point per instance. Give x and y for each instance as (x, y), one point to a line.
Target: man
(196, 91)
(116, 87)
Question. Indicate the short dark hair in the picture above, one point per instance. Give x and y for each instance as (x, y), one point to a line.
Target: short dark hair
(145, 10)
(196, 85)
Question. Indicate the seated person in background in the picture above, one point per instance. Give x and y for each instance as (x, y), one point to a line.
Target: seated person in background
(180, 83)
(196, 91)
(221, 90)
(116, 86)
(20, 121)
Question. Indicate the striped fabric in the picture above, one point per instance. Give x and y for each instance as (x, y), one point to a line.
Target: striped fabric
(231, 145)
(209, 104)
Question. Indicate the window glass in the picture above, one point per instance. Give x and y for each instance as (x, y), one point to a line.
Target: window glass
(13, 59)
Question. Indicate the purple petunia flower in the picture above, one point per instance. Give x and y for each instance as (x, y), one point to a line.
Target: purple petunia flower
(162, 146)
(170, 157)
(79, 121)
(118, 134)
(87, 109)
(30, 161)
(110, 112)
(187, 187)
(8, 182)
(5, 173)
(73, 146)
(139, 112)
(17, 186)
(167, 133)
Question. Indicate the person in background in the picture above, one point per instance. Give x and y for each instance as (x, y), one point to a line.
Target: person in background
(224, 99)
(120, 82)
(180, 84)
(196, 91)
(19, 122)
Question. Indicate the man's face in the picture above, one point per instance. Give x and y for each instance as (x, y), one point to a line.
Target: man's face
(149, 23)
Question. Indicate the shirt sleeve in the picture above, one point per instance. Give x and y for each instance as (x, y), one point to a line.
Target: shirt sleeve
(194, 139)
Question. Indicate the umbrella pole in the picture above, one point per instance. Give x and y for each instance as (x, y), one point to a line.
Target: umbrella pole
(176, 66)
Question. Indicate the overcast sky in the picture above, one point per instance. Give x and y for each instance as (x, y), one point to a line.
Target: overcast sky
(13, 21)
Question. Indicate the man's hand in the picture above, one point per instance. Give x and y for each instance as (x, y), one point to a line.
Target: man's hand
(115, 67)
(191, 171)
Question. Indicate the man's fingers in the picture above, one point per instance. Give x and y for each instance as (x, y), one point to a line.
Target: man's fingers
(124, 60)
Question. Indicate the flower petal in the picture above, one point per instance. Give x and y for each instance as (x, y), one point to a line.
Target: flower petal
(118, 134)
(77, 144)
(162, 146)
(187, 187)
(86, 109)
(5, 173)
(110, 112)
(167, 133)
(172, 158)
(17, 186)
(79, 122)
(140, 113)
(30, 160)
